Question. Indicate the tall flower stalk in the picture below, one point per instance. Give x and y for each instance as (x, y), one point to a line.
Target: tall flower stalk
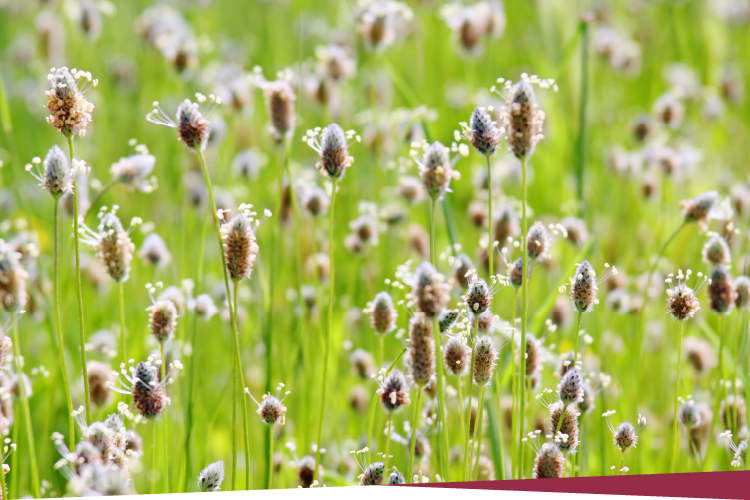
(332, 145)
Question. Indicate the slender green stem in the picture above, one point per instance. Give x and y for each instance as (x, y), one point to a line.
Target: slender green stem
(583, 102)
(414, 427)
(153, 456)
(578, 339)
(500, 426)
(166, 426)
(34, 468)
(491, 248)
(524, 314)
(389, 427)
(79, 291)
(442, 417)
(330, 326)
(478, 433)
(121, 299)
(467, 457)
(372, 425)
(241, 385)
(461, 408)
(514, 381)
(3, 491)
(719, 384)
(269, 463)
(675, 423)
(234, 420)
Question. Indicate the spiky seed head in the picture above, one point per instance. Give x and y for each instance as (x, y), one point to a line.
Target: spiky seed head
(430, 290)
(689, 414)
(569, 425)
(316, 201)
(698, 209)
(272, 411)
(625, 436)
(373, 475)
(436, 169)
(13, 278)
(570, 387)
(114, 247)
(742, 293)
(721, 290)
(148, 393)
(69, 111)
(716, 251)
(306, 471)
(583, 290)
(394, 393)
(681, 302)
(457, 356)
(362, 363)
(478, 297)
(154, 251)
(334, 152)
(382, 313)
(396, 477)
(57, 177)
(523, 120)
(447, 319)
(732, 408)
(162, 320)
(461, 267)
(192, 127)
(549, 462)
(421, 349)
(485, 357)
(280, 101)
(99, 376)
(211, 477)
(240, 246)
(515, 272)
(486, 322)
(484, 135)
(537, 241)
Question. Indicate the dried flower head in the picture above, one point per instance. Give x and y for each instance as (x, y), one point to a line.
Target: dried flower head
(70, 112)
(112, 243)
(537, 241)
(410, 189)
(742, 293)
(362, 363)
(721, 290)
(485, 358)
(566, 438)
(681, 301)
(372, 475)
(436, 166)
(462, 267)
(624, 435)
(271, 409)
(549, 462)
(421, 349)
(162, 320)
(154, 251)
(315, 200)
(570, 387)
(700, 208)
(57, 177)
(240, 244)
(306, 471)
(478, 297)
(457, 356)
(522, 119)
(382, 313)
(100, 377)
(481, 132)
(379, 22)
(642, 127)
(515, 272)
(133, 171)
(192, 125)
(576, 230)
(280, 101)
(211, 477)
(430, 292)
(394, 392)
(13, 278)
(332, 144)
(584, 286)
(142, 382)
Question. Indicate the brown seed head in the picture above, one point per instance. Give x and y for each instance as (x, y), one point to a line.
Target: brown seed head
(240, 245)
(382, 313)
(362, 363)
(485, 358)
(478, 297)
(698, 209)
(148, 394)
(271, 410)
(699, 354)
(13, 278)
(716, 251)
(394, 393)
(306, 471)
(742, 293)
(583, 289)
(70, 112)
(570, 387)
(681, 302)
(482, 132)
(421, 349)
(436, 169)
(549, 462)
(721, 290)
(625, 436)
(162, 320)
(192, 127)
(280, 100)
(569, 425)
(457, 356)
(522, 119)
(431, 292)
(100, 376)
(114, 247)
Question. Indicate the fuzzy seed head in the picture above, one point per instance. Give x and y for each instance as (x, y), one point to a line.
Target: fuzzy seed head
(583, 290)
(669, 110)
(240, 246)
(394, 393)
(506, 223)
(570, 387)
(13, 278)
(154, 251)
(373, 475)
(148, 393)
(689, 415)
(742, 293)
(69, 111)
(192, 127)
(334, 152)
(436, 169)
(114, 247)
(523, 120)
(362, 363)
(576, 230)
(162, 320)
(58, 177)
(396, 477)
(483, 134)
(306, 471)
(271, 411)
(699, 354)
(549, 462)
(382, 313)
(457, 356)
(478, 298)
(485, 357)
(515, 272)
(280, 101)
(716, 251)
(537, 241)
(732, 407)
(100, 376)
(421, 349)
(133, 171)
(698, 209)
(461, 267)
(625, 436)
(211, 477)
(681, 302)
(533, 356)
(569, 425)
(430, 290)
(447, 319)
(316, 201)
(721, 290)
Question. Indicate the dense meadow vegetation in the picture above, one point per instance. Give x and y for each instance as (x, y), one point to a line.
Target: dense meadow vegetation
(291, 281)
